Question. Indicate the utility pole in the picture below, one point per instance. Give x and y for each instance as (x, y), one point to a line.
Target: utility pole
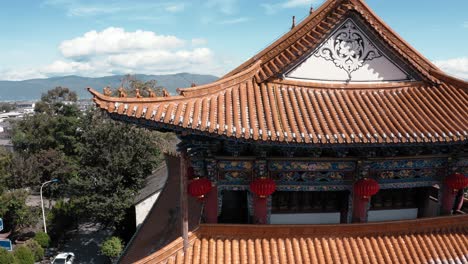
(42, 202)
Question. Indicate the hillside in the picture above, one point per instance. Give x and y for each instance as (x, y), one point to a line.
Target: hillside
(32, 89)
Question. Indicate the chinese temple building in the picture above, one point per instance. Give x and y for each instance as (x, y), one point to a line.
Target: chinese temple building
(341, 123)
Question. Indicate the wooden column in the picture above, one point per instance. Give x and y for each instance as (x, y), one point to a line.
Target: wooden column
(211, 202)
(459, 200)
(448, 201)
(260, 206)
(211, 206)
(183, 197)
(361, 204)
(360, 208)
(260, 210)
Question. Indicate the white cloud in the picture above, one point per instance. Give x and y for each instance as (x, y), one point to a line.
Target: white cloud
(465, 25)
(274, 8)
(60, 68)
(116, 51)
(234, 21)
(160, 60)
(457, 67)
(199, 42)
(115, 40)
(20, 74)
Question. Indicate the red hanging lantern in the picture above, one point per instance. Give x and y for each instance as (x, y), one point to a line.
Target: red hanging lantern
(366, 187)
(456, 181)
(199, 187)
(263, 187)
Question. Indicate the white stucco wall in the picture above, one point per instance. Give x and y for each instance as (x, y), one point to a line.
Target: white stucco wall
(302, 219)
(348, 55)
(142, 208)
(392, 215)
(319, 69)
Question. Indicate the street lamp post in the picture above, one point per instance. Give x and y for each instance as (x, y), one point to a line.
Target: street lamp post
(42, 202)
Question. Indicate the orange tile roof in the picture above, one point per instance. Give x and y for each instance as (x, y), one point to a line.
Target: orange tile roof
(294, 112)
(437, 240)
(250, 103)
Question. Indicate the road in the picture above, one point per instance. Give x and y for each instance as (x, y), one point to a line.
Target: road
(85, 243)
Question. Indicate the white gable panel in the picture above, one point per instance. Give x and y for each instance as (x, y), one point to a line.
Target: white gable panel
(348, 55)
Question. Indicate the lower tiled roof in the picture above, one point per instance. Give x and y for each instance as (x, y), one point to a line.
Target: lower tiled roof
(436, 240)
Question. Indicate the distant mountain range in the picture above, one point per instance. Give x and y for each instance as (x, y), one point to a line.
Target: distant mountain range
(32, 89)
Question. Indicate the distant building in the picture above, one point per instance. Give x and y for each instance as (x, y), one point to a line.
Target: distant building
(25, 106)
(11, 115)
(84, 104)
(149, 194)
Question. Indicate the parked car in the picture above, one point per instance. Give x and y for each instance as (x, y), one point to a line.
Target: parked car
(64, 258)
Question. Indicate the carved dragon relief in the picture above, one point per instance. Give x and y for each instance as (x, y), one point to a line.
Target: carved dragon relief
(348, 48)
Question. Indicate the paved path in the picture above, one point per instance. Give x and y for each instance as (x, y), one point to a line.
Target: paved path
(85, 243)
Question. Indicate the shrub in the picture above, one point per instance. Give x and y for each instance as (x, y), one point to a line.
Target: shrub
(24, 255)
(43, 239)
(6, 257)
(36, 249)
(112, 247)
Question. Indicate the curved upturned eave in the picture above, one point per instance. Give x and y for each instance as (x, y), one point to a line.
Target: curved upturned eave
(285, 112)
(186, 93)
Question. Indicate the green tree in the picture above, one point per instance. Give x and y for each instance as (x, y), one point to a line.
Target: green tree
(7, 257)
(130, 84)
(112, 247)
(24, 255)
(36, 249)
(23, 172)
(15, 212)
(7, 107)
(43, 131)
(101, 164)
(54, 126)
(115, 159)
(42, 239)
(57, 100)
(47, 143)
(62, 217)
(5, 165)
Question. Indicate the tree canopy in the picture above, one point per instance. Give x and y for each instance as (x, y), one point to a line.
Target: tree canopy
(101, 164)
(115, 159)
(57, 100)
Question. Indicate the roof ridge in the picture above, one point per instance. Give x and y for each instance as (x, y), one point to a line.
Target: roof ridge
(450, 79)
(310, 32)
(283, 38)
(222, 83)
(421, 225)
(185, 93)
(400, 38)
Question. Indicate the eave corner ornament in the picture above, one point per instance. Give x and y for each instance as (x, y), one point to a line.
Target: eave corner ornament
(348, 48)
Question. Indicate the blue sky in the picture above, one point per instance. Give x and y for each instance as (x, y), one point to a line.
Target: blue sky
(43, 38)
